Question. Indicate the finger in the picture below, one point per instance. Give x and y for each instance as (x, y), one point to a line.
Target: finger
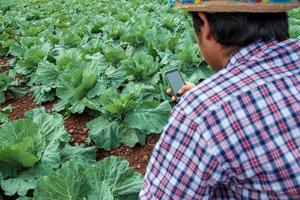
(173, 98)
(183, 89)
(169, 90)
(189, 84)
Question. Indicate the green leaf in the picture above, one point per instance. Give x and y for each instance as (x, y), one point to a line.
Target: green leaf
(52, 124)
(33, 56)
(99, 22)
(48, 149)
(54, 131)
(24, 198)
(114, 54)
(114, 77)
(114, 29)
(5, 83)
(195, 73)
(69, 58)
(112, 178)
(47, 73)
(28, 41)
(157, 40)
(72, 87)
(187, 51)
(91, 103)
(150, 117)
(100, 86)
(18, 91)
(43, 93)
(17, 50)
(88, 82)
(104, 133)
(128, 185)
(15, 155)
(71, 39)
(4, 114)
(19, 185)
(142, 66)
(21, 143)
(115, 103)
(130, 136)
(70, 152)
(121, 103)
(2, 97)
(64, 184)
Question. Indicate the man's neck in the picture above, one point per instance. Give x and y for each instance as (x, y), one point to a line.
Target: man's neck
(227, 54)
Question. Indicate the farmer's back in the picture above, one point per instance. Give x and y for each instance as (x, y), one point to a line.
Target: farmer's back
(236, 135)
(249, 116)
(242, 125)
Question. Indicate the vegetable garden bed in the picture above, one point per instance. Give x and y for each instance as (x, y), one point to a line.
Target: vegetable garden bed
(76, 126)
(82, 82)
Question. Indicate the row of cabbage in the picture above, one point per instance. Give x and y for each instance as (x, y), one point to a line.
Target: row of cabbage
(37, 162)
(102, 57)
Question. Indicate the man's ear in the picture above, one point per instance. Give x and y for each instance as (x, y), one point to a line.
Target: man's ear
(205, 29)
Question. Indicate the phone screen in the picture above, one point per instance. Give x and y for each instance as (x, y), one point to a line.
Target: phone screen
(175, 80)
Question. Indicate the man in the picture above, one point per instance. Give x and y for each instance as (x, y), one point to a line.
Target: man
(235, 135)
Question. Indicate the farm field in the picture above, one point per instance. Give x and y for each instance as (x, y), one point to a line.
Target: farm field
(82, 93)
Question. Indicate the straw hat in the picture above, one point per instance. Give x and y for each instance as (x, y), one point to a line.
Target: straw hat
(253, 6)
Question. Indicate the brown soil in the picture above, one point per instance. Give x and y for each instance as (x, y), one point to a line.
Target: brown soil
(137, 157)
(22, 105)
(76, 126)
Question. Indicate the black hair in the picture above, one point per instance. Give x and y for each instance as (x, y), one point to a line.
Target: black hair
(242, 29)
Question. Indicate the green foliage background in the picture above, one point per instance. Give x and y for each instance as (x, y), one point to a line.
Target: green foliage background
(104, 57)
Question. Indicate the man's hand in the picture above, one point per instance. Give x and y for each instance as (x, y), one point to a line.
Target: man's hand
(182, 90)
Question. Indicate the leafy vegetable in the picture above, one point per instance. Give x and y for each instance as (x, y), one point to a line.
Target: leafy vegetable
(4, 113)
(110, 178)
(21, 143)
(104, 57)
(149, 116)
(11, 86)
(137, 121)
(34, 147)
(64, 184)
(72, 86)
(104, 133)
(294, 23)
(141, 66)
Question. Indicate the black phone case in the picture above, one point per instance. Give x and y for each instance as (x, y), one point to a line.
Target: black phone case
(166, 76)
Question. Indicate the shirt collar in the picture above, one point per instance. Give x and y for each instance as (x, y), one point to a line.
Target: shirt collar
(245, 53)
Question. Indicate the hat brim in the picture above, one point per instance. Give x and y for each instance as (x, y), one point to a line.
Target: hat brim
(222, 6)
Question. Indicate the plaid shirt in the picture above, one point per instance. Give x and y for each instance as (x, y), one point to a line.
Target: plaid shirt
(236, 135)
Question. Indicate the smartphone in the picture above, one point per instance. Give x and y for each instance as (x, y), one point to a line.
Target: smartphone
(175, 80)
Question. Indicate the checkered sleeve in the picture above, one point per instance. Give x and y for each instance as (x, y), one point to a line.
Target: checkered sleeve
(182, 165)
